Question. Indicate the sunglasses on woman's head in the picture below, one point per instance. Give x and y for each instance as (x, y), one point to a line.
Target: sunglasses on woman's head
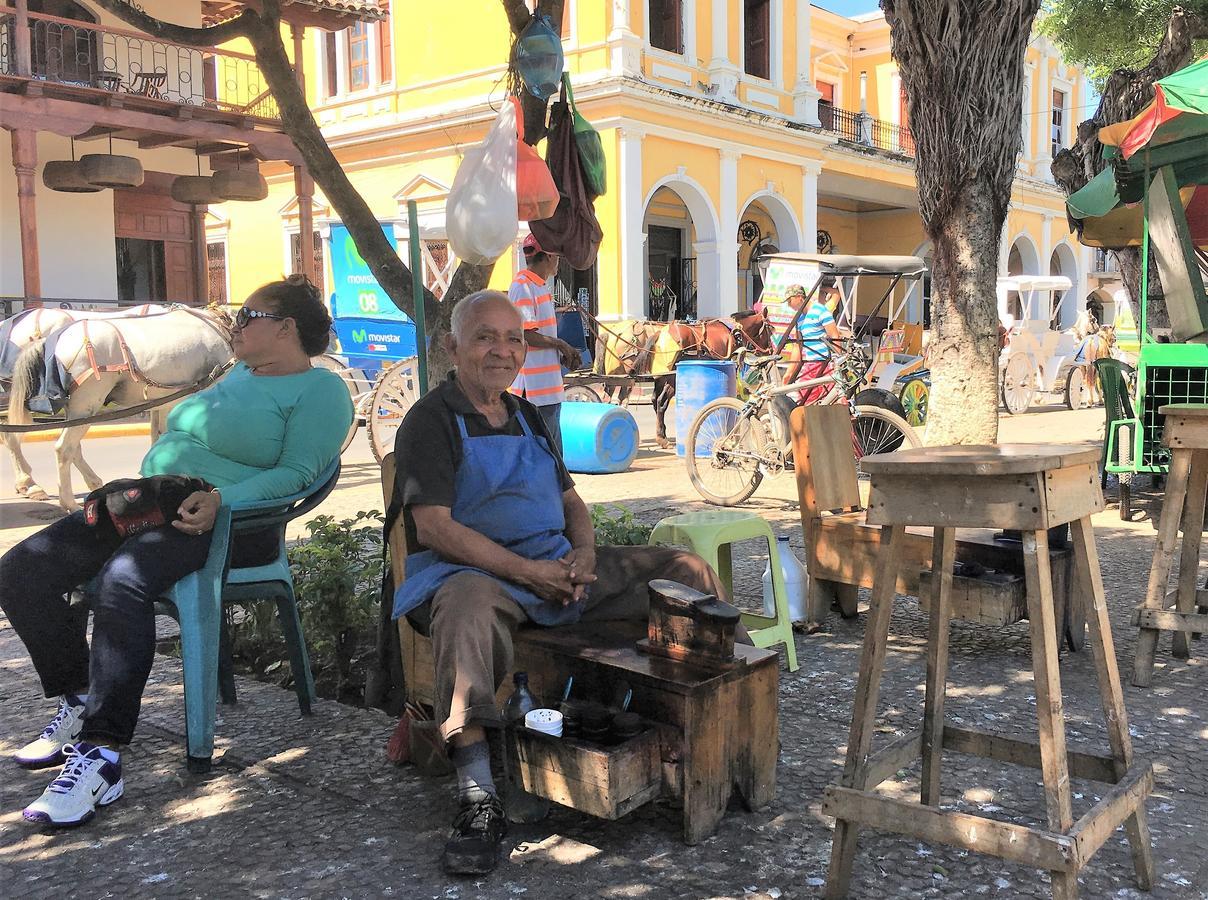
(245, 315)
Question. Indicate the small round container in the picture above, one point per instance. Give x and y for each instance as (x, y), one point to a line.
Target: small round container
(594, 721)
(626, 725)
(547, 721)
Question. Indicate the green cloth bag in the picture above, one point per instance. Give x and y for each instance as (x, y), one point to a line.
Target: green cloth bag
(591, 149)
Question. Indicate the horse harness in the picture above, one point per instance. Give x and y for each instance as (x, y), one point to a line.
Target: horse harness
(128, 364)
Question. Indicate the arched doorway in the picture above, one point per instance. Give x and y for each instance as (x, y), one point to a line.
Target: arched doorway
(766, 226)
(1063, 262)
(1021, 260)
(682, 272)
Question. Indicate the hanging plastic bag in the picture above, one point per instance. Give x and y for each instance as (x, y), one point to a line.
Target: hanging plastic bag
(538, 57)
(573, 232)
(589, 145)
(536, 193)
(480, 214)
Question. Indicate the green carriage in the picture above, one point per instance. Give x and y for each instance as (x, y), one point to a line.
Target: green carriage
(1155, 195)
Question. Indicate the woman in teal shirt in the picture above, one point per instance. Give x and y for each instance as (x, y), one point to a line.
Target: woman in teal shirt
(266, 430)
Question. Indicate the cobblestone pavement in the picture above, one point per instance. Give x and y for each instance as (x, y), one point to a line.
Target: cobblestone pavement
(310, 808)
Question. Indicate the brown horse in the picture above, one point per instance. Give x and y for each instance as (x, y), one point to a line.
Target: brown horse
(654, 348)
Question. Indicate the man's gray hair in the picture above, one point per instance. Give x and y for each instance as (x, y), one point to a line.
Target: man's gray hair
(465, 307)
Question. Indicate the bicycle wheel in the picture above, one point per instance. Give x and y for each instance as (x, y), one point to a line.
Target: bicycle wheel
(724, 451)
(876, 430)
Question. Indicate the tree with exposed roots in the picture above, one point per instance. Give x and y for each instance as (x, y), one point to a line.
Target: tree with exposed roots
(1124, 93)
(961, 64)
(263, 29)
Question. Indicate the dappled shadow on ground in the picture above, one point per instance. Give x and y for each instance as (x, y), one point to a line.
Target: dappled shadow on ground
(310, 807)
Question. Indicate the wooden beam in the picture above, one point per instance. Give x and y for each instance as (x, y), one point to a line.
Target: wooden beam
(25, 164)
(1170, 620)
(895, 756)
(152, 141)
(201, 263)
(1005, 840)
(1021, 752)
(1093, 829)
(265, 144)
(24, 56)
(304, 187)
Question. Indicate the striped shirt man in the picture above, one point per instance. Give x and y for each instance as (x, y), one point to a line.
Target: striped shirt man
(540, 379)
(808, 341)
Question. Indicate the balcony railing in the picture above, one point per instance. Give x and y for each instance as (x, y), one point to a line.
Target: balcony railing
(67, 51)
(1105, 262)
(861, 128)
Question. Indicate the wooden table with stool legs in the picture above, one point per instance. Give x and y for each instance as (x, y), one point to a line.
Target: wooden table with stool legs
(1183, 611)
(1031, 488)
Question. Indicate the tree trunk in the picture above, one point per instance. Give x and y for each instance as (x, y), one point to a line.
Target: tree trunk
(963, 351)
(962, 69)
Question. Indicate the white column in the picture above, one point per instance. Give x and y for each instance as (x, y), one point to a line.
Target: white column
(809, 205)
(805, 94)
(1044, 122)
(1046, 244)
(723, 71)
(633, 239)
(727, 240)
(624, 47)
(1029, 121)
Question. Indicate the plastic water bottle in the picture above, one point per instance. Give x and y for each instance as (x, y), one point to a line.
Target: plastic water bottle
(795, 582)
(522, 806)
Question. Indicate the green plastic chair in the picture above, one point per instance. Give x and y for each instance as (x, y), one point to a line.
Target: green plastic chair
(710, 535)
(1118, 449)
(195, 602)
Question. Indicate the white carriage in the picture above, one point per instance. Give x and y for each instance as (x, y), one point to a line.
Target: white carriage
(1038, 357)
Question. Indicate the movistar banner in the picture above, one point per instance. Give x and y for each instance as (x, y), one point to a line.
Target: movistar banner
(355, 292)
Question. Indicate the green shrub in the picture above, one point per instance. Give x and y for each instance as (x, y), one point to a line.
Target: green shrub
(337, 573)
(618, 528)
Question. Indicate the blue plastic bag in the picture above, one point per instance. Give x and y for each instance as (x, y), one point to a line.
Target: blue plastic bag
(538, 57)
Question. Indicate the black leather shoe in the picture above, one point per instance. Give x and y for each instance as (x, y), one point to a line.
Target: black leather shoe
(473, 845)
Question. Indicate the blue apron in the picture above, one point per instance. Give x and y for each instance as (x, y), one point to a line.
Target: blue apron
(507, 488)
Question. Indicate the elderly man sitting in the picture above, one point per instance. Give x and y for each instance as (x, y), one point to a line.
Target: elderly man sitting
(499, 539)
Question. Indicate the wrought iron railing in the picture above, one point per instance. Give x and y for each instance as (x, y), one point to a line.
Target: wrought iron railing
(861, 128)
(67, 51)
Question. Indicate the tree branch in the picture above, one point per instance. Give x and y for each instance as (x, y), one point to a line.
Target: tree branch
(209, 36)
(518, 19)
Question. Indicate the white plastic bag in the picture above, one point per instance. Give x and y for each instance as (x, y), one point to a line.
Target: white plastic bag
(480, 214)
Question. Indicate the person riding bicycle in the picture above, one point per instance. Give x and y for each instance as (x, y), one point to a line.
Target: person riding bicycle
(808, 342)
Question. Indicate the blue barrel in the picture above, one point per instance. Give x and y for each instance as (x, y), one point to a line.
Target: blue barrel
(598, 438)
(698, 382)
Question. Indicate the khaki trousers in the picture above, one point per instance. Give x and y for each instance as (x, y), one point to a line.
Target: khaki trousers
(473, 621)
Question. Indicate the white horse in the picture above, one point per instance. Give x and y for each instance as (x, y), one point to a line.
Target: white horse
(28, 327)
(121, 362)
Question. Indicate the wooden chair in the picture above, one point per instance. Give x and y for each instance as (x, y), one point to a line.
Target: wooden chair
(841, 547)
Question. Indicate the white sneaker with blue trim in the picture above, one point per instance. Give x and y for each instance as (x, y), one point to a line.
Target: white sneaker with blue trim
(87, 780)
(47, 749)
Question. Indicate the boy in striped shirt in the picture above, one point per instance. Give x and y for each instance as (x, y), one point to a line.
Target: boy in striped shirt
(540, 378)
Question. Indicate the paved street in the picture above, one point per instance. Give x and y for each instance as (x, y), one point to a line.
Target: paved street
(310, 807)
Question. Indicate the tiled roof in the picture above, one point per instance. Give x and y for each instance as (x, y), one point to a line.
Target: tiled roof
(334, 12)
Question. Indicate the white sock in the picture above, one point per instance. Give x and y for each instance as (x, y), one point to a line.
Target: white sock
(111, 755)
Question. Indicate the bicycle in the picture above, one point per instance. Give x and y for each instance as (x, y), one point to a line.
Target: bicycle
(745, 441)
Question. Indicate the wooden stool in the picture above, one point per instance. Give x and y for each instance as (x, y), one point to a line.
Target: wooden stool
(1029, 487)
(1186, 434)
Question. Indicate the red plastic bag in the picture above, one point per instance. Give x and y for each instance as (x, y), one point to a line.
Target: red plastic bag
(536, 193)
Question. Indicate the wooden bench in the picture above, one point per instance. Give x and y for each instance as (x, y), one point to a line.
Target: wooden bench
(712, 730)
(841, 547)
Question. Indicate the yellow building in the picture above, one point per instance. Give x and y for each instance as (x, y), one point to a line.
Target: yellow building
(731, 127)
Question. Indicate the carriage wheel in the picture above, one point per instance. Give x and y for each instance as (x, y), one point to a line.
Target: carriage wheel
(581, 393)
(1077, 390)
(915, 395)
(396, 391)
(1018, 384)
(354, 380)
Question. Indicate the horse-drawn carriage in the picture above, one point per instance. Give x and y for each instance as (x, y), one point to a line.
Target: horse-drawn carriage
(1039, 357)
